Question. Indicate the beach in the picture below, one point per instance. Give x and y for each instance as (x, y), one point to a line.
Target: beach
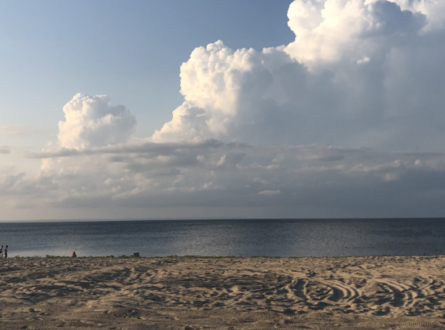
(223, 293)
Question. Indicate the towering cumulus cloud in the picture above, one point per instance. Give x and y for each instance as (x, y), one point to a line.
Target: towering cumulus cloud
(346, 120)
(359, 73)
(91, 121)
(331, 31)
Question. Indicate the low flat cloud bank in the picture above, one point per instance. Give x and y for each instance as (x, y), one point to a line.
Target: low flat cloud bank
(309, 180)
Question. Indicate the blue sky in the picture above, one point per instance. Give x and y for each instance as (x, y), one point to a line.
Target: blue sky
(227, 109)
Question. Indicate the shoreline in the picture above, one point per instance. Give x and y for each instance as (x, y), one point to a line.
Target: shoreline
(226, 257)
(175, 292)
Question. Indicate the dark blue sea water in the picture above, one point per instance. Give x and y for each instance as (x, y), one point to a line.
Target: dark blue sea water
(227, 237)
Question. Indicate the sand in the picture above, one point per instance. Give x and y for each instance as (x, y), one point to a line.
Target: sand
(223, 293)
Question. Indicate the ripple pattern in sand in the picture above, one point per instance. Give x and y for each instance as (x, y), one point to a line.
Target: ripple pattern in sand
(237, 293)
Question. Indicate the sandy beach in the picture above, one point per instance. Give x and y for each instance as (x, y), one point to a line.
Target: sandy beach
(223, 293)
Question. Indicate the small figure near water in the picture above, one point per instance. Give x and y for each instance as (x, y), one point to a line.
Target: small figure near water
(74, 255)
(6, 251)
(1, 251)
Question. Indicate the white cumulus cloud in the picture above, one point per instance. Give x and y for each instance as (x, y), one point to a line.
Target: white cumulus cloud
(332, 30)
(91, 121)
(359, 73)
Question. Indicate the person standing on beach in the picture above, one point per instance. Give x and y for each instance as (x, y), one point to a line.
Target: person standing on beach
(1, 251)
(6, 251)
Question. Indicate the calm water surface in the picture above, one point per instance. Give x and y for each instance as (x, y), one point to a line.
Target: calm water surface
(227, 237)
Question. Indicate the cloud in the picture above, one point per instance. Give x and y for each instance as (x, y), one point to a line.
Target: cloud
(332, 30)
(12, 131)
(147, 148)
(269, 192)
(91, 121)
(351, 78)
(345, 121)
(433, 10)
(17, 130)
(309, 180)
(5, 150)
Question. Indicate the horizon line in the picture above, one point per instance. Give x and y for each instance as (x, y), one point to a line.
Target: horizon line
(214, 219)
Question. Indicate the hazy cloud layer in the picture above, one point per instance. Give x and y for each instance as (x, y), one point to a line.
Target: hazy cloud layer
(256, 127)
(5, 150)
(309, 180)
(18, 131)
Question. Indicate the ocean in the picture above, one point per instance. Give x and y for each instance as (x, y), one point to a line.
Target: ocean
(286, 238)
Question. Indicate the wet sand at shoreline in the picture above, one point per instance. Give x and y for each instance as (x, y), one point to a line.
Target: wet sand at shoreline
(223, 293)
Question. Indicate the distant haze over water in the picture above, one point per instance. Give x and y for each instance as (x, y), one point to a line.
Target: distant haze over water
(286, 238)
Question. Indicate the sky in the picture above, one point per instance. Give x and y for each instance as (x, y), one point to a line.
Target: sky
(222, 109)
